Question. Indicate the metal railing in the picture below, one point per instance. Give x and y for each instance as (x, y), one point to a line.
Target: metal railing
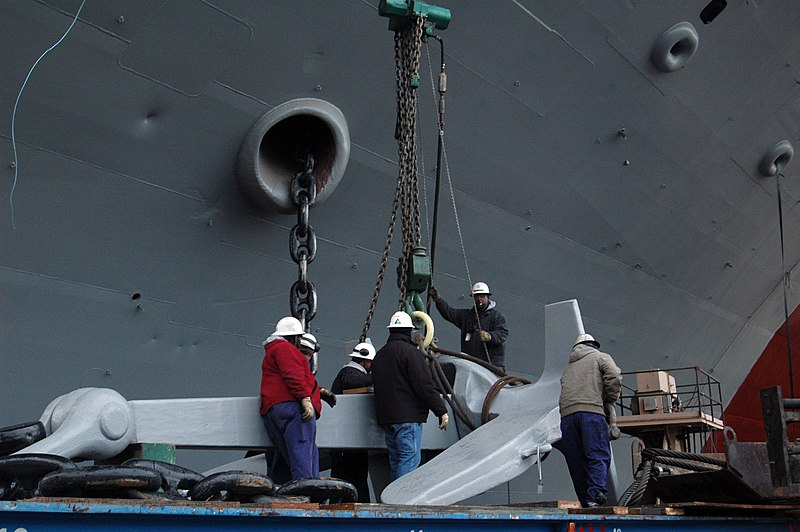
(694, 391)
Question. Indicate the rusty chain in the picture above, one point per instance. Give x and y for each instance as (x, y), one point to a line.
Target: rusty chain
(408, 41)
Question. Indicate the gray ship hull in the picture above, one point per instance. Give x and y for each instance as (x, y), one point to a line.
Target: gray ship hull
(131, 259)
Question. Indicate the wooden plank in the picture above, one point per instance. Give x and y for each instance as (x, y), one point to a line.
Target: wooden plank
(732, 506)
(689, 419)
(655, 510)
(562, 504)
(601, 510)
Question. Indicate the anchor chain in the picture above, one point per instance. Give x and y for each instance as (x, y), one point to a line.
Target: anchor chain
(303, 245)
(408, 41)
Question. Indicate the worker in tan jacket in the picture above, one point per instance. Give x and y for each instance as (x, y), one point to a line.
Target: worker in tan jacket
(590, 380)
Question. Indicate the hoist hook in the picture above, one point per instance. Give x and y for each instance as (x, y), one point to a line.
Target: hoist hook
(420, 315)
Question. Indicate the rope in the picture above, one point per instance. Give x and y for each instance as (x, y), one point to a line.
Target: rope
(494, 390)
(461, 241)
(16, 104)
(785, 276)
(439, 141)
(444, 384)
(458, 354)
(633, 495)
(636, 490)
(686, 465)
(439, 104)
(449, 393)
(659, 453)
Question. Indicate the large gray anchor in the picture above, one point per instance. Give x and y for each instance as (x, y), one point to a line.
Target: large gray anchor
(98, 423)
(526, 425)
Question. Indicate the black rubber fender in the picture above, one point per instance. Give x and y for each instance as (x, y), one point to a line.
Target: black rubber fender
(236, 484)
(16, 437)
(98, 481)
(320, 490)
(174, 477)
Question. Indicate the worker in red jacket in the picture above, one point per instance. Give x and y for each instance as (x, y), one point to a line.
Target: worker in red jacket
(290, 399)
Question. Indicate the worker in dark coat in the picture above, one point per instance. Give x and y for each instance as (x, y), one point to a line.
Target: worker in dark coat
(404, 393)
(483, 327)
(290, 399)
(590, 380)
(353, 465)
(356, 373)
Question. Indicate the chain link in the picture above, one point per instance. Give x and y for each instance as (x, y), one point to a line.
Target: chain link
(303, 245)
(408, 41)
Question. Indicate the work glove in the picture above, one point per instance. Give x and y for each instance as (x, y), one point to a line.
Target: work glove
(611, 418)
(434, 293)
(484, 335)
(443, 421)
(327, 396)
(308, 408)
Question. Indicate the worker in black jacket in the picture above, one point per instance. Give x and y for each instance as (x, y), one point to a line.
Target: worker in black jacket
(353, 465)
(355, 374)
(404, 392)
(483, 327)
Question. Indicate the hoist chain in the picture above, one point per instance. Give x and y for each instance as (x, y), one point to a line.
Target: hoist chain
(407, 49)
(382, 270)
(408, 40)
(303, 245)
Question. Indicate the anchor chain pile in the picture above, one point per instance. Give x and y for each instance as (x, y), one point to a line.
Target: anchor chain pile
(24, 476)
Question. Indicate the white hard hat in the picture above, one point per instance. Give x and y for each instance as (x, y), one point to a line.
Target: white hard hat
(400, 320)
(480, 288)
(309, 341)
(364, 350)
(288, 326)
(584, 338)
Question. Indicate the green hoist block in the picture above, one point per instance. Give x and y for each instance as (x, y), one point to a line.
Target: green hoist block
(399, 11)
(418, 271)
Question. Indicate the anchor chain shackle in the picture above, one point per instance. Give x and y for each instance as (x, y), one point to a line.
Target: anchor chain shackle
(303, 245)
(408, 42)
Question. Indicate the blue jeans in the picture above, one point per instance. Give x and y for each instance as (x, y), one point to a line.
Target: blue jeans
(585, 445)
(294, 438)
(404, 443)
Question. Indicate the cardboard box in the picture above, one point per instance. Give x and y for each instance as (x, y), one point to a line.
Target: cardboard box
(655, 391)
(655, 381)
